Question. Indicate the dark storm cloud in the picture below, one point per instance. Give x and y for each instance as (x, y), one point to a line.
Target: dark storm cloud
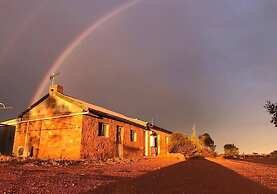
(211, 63)
(35, 40)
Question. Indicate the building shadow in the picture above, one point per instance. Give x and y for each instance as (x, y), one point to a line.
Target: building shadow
(191, 177)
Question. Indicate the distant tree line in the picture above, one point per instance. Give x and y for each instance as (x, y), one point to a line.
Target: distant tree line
(205, 145)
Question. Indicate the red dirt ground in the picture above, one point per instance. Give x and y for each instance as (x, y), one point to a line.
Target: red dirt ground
(263, 171)
(37, 177)
(199, 176)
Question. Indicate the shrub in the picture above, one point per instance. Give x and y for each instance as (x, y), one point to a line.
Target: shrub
(180, 143)
(231, 151)
(207, 152)
(207, 142)
(273, 154)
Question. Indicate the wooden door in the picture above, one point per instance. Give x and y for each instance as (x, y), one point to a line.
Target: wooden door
(119, 141)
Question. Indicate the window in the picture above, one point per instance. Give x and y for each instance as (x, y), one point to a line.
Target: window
(103, 129)
(153, 141)
(133, 136)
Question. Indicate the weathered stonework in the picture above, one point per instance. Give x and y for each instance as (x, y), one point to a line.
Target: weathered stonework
(61, 127)
(100, 147)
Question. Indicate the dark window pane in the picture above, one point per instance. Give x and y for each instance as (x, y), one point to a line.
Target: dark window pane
(101, 130)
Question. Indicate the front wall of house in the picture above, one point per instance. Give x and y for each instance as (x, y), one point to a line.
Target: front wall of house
(100, 147)
(51, 136)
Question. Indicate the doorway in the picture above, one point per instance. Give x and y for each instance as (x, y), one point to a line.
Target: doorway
(119, 141)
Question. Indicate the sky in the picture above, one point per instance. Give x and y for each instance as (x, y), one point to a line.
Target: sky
(178, 62)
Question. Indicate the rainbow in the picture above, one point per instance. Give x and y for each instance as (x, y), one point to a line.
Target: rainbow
(76, 42)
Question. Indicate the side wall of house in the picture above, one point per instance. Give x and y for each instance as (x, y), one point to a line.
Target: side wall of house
(50, 132)
(100, 147)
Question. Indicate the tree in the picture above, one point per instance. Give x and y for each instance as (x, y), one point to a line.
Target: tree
(195, 140)
(180, 143)
(207, 142)
(273, 154)
(272, 110)
(231, 151)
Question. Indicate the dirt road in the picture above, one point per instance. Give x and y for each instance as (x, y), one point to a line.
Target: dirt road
(215, 176)
(263, 171)
(164, 176)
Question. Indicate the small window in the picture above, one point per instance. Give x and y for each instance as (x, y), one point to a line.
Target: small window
(103, 129)
(152, 141)
(133, 136)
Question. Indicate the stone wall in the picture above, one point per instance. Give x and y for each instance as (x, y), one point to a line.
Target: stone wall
(51, 130)
(58, 138)
(101, 147)
(61, 138)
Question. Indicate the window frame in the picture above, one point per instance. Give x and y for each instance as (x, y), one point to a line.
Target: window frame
(133, 135)
(119, 134)
(103, 129)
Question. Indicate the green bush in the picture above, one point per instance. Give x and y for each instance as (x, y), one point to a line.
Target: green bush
(179, 143)
(231, 151)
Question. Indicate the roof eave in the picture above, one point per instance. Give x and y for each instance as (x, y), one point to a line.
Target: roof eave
(99, 113)
(33, 105)
(161, 129)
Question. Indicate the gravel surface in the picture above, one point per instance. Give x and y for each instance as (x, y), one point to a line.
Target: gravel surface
(257, 170)
(71, 177)
(198, 176)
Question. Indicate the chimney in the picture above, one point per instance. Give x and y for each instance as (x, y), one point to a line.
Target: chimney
(55, 88)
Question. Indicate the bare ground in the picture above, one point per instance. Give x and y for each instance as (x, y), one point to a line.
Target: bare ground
(76, 177)
(213, 176)
(263, 170)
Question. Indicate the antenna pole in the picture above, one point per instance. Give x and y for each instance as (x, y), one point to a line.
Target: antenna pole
(53, 77)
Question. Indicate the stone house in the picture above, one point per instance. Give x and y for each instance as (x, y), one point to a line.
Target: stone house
(62, 127)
